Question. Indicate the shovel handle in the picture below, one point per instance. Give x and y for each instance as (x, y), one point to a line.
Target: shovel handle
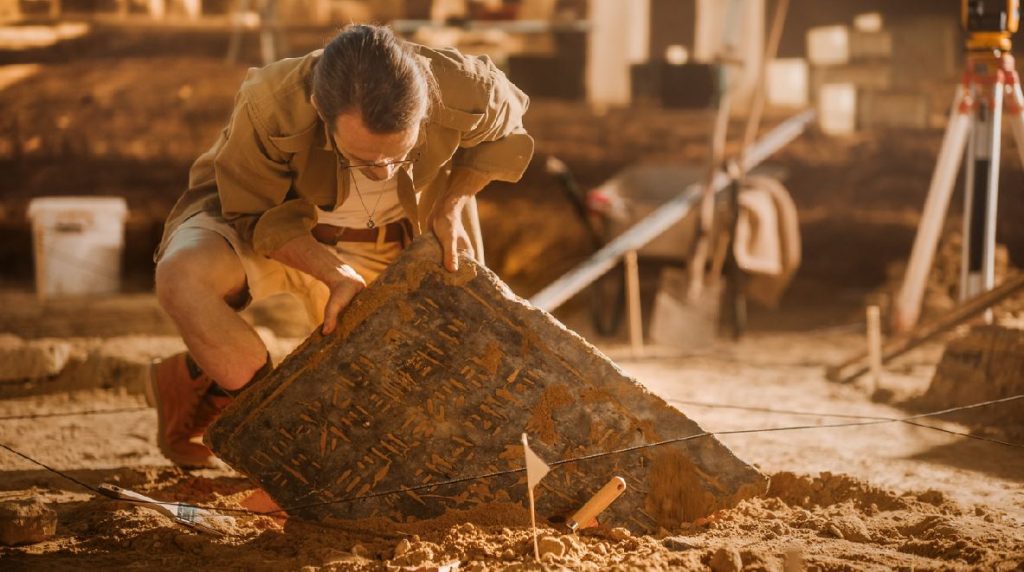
(586, 516)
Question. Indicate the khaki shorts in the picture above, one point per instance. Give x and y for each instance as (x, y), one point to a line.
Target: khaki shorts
(266, 277)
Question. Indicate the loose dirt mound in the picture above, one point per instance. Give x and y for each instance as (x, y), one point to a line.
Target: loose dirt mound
(986, 363)
(831, 522)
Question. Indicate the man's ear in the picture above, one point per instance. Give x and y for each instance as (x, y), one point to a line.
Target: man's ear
(312, 101)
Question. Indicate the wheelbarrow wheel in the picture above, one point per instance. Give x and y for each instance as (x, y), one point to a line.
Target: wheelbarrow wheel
(607, 301)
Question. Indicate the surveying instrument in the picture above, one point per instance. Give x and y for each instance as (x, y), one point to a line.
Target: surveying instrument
(989, 88)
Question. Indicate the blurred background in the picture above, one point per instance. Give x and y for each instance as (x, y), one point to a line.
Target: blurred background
(115, 98)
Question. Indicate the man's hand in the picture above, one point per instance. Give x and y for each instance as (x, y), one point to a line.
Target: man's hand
(451, 233)
(306, 254)
(446, 217)
(343, 288)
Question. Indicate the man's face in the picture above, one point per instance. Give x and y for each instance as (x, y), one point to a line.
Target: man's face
(376, 155)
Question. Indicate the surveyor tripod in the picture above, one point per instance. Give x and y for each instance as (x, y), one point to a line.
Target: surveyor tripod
(990, 88)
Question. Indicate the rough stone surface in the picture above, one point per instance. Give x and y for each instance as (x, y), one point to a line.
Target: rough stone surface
(431, 377)
(985, 364)
(26, 521)
(31, 359)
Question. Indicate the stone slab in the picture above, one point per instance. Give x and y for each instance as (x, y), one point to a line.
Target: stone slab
(432, 377)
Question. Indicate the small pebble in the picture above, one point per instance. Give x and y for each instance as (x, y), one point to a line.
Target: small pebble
(679, 543)
(620, 534)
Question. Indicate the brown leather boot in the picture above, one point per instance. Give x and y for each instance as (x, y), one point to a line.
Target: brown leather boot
(209, 410)
(179, 391)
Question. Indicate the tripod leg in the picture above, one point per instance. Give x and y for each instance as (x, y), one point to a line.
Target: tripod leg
(907, 305)
(981, 194)
(1015, 112)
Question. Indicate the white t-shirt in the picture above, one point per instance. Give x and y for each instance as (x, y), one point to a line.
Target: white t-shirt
(380, 198)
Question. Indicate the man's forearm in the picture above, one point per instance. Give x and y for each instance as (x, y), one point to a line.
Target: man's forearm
(463, 184)
(306, 254)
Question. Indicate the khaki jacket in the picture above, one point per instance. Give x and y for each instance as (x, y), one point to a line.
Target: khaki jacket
(273, 164)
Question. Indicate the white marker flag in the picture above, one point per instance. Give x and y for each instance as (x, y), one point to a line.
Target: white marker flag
(536, 469)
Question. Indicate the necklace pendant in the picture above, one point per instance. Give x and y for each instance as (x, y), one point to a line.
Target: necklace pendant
(370, 224)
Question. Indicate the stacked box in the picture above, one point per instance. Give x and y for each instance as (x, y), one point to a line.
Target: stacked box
(893, 109)
(867, 46)
(887, 69)
(828, 45)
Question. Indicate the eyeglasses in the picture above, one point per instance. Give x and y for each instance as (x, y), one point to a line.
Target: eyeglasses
(344, 163)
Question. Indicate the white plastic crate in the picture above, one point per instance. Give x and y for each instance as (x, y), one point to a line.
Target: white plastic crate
(828, 45)
(78, 243)
(837, 108)
(787, 82)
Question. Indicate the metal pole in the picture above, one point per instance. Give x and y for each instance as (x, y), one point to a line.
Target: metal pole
(907, 304)
(1015, 111)
(982, 187)
(660, 220)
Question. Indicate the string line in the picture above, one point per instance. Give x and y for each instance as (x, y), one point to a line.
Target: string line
(484, 476)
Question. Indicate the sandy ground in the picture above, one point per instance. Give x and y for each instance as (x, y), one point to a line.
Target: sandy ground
(875, 497)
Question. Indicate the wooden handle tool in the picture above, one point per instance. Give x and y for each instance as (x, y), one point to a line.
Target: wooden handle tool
(586, 516)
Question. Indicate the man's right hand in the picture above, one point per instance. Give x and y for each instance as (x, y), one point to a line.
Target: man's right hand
(306, 254)
(343, 288)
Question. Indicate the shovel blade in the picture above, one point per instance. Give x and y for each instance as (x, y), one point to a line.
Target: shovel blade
(679, 322)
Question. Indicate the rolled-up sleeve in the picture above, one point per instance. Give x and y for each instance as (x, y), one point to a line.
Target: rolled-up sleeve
(253, 180)
(498, 145)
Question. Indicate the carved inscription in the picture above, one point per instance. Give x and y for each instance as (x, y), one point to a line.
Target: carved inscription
(430, 379)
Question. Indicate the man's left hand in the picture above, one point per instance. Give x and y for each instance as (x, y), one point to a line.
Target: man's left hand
(446, 218)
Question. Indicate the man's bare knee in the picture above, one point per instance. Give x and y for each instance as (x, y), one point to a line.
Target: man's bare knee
(204, 271)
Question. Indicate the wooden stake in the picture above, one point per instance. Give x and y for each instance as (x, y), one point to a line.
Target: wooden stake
(854, 367)
(874, 331)
(636, 324)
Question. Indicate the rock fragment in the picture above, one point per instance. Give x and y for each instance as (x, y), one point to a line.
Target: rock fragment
(26, 521)
(550, 546)
(679, 543)
(726, 559)
(31, 359)
(851, 527)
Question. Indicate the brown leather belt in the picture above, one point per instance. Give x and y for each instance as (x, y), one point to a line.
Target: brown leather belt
(398, 231)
